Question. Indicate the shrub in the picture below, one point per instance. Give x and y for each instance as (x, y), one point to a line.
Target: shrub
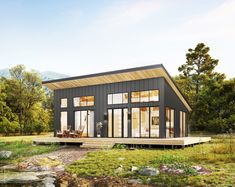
(7, 127)
(120, 146)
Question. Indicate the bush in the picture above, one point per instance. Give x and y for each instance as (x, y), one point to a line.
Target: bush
(120, 146)
(7, 127)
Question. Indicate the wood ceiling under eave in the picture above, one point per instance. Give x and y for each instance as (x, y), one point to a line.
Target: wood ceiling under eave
(118, 77)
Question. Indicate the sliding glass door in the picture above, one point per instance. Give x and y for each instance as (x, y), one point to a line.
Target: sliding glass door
(145, 122)
(84, 120)
(118, 123)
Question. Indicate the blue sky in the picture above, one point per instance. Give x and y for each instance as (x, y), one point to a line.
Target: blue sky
(77, 37)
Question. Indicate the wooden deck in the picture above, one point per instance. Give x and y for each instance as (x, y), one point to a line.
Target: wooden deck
(110, 142)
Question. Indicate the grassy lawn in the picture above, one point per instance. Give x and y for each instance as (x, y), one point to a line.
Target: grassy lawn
(22, 138)
(218, 156)
(22, 147)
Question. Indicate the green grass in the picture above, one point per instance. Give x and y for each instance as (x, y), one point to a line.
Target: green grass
(22, 138)
(215, 156)
(22, 147)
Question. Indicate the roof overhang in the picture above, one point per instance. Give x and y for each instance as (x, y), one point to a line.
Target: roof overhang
(139, 73)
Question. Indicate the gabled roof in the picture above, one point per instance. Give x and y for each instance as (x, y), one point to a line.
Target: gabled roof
(138, 73)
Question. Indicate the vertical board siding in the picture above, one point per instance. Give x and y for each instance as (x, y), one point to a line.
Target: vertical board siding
(167, 98)
(173, 101)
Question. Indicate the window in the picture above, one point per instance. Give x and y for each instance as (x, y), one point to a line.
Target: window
(64, 103)
(63, 121)
(170, 123)
(76, 101)
(90, 100)
(182, 123)
(135, 97)
(154, 122)
(154, 95)
(83, 101)
(110, 99)
(145, 96)
(118, 98)
(135, 125)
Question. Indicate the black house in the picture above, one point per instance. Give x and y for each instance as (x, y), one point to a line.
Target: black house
(137, 102)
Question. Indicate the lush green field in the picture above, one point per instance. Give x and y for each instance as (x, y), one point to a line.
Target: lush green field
(22, 147)
(218, 156)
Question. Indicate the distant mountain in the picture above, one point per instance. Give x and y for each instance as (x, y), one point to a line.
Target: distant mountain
(46, 75)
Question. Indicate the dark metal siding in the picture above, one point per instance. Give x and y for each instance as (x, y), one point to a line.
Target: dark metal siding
(173, 101)
(100, 92)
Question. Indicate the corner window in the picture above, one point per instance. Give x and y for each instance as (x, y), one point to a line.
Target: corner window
(64, 103)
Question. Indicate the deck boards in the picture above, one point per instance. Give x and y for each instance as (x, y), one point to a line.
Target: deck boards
(182, 141)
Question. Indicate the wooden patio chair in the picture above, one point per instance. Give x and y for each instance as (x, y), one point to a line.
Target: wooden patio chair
(78, 133)
(72, 134)
(59, 134)
(66, 133)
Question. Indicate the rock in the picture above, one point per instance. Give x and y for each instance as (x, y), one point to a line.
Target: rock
(119, 169)
(59, 168)
(49, 181)
(10, 167)
(134, 181)
(121, 158)
(52, 157)
(201, 170)
(5, 154)
(19, 178)
(134, 168)
(147, 171)
(197, 168)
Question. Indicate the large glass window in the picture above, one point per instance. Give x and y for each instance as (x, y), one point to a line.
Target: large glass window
(84, 120)
(145, 96)
(154, 122)
(117, 122)
(118, 98)
(182, 123)
(64, 103)
(125, 122)
(63, 121)
(169, 123)
(110, 122)
(144, 116)
(83, 101)
(135, 125)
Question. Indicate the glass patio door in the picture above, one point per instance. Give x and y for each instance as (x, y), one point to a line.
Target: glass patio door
(118, 123)
(84, 120)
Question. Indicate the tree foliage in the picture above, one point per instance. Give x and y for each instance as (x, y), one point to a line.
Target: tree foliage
(21, 103)
(212, 96)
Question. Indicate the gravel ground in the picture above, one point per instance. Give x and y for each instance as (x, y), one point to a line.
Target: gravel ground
(66, 155)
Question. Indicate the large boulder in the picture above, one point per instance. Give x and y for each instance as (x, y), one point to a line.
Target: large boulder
(5, 154)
